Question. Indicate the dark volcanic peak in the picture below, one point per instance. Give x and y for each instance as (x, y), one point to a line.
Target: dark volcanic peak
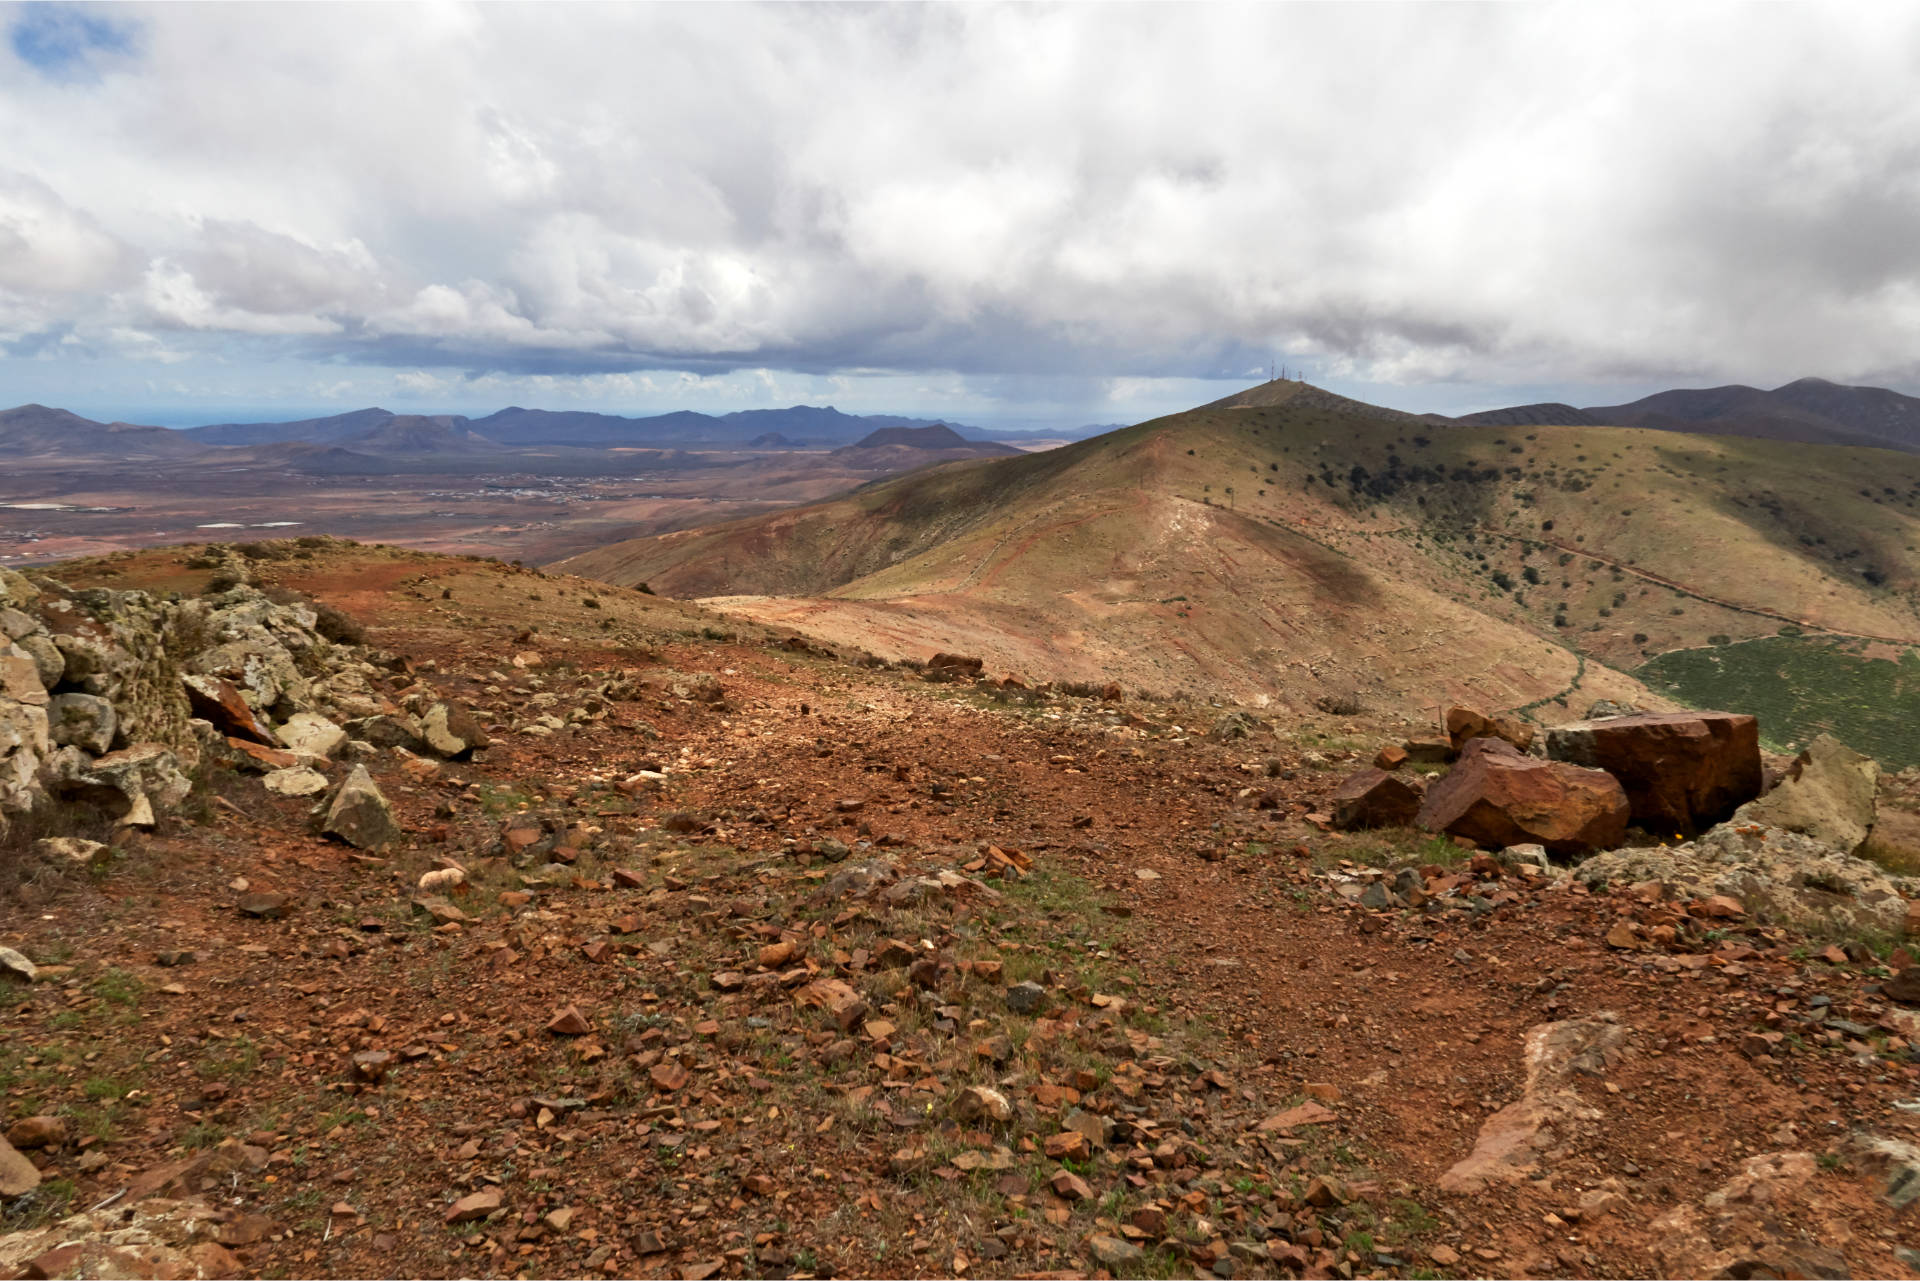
(1548, 414)
(421, 434)
(938, 436)
(317, 431)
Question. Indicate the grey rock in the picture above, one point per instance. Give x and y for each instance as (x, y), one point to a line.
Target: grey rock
(16, 967)
(85, 721)
(1026, 998)
(359, 814)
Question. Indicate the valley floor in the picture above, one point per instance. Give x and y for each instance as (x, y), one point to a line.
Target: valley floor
(1233, 1069)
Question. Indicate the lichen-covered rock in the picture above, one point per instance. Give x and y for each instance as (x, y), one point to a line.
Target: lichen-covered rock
(20, 677)
(1830, 793)
(145, 778)
(1778, 876)
(359, 814)
(85, 721)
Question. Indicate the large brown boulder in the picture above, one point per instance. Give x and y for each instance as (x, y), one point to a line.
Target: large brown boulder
(1497, 797)
(1376, 798)
(1464, 725)
(1683, 771)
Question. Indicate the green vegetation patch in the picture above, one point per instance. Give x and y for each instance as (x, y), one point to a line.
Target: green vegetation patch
(1801, 686)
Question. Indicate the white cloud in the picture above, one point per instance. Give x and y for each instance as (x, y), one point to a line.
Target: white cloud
(1409, 195)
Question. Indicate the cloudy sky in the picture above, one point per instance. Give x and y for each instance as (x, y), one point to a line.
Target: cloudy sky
(1019, 215)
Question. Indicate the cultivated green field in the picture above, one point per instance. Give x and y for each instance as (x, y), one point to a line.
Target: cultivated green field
(1800, 686)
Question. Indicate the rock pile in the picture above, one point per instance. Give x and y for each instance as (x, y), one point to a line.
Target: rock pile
(116, 696)
(1777, 875)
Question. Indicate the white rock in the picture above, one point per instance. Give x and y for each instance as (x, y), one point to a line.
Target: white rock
(312, 733)
(298, 781)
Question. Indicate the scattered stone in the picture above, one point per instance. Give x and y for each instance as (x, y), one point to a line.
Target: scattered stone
(17, 1174)
(1464, 725)
(1026, 998)
(359, 814)
(569, 1022)
(15, 966)
(265, 906)
(470, 1209)
(298, 781)
(1904, 987)
(1390, 757)
(1895, 1162)
(1069, 1186)
(1376, 798)
(37, 1132)
(1682, 772)
(1428, 751)
(1497, 797)
(72, 851)
(1829, 793)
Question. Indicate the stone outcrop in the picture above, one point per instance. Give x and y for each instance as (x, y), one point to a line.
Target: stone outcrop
(1376, 798)
(1829, 794)
(1497, 797)
(1778, 876)
(1519, 1139)
(1682, 772)
(1464, 725)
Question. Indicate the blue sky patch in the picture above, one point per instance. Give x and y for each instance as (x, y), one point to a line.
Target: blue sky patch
(65, 40)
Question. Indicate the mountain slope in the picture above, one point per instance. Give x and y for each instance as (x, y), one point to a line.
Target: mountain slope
(314, 431)
(36, 431)
(419, 434)
(1296, 551)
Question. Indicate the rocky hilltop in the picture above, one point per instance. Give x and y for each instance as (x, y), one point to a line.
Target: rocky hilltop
(509, 923)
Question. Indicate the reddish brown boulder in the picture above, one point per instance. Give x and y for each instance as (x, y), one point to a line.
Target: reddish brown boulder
(1497, 797)
(1375, 798)
(1464, 725)
(219, 701)
(955, 664)
(1392, 756)
(1683, 772)
(1428, 751)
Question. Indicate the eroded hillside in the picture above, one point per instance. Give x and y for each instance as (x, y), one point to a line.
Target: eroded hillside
(1312, 548)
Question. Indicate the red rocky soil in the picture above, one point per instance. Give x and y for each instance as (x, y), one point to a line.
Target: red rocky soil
(703, 1045)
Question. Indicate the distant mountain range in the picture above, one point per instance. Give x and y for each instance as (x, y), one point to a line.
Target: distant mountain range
(799, 426)
(378, 441)
(1810, 410)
